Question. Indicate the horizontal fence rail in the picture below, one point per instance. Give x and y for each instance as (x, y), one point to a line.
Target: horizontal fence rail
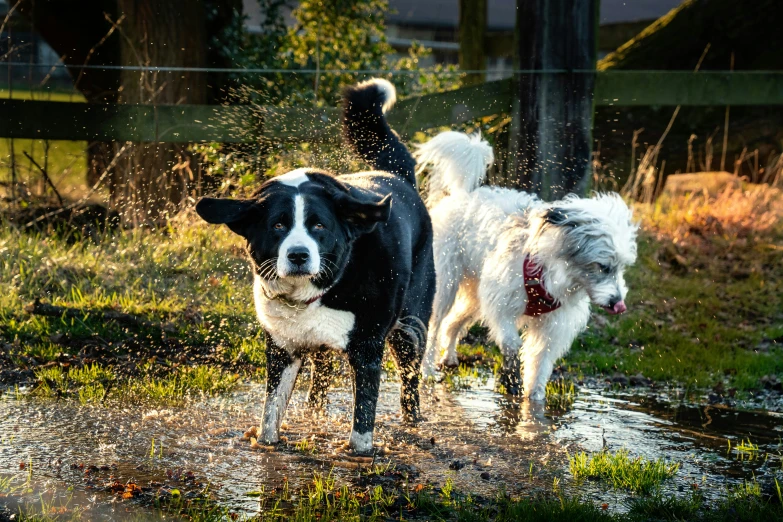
(248, 123)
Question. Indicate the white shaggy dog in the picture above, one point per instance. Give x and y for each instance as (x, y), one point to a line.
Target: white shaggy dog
(512, 261)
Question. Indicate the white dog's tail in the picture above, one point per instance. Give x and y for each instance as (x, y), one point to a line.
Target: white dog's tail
(457, 163)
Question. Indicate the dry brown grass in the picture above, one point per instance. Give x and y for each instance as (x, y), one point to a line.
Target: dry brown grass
(752, 212)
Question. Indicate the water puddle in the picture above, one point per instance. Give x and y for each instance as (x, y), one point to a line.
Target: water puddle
(480, 440)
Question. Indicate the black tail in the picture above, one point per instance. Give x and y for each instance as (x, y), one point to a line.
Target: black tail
(368, 132)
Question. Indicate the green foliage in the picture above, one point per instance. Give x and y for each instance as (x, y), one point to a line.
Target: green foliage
(560, 394)
(327, 36)
(621, 471)
(185, 382)
(665, 507)
(338, 34)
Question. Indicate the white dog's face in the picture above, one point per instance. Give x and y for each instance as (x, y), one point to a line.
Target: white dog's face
(596, 240)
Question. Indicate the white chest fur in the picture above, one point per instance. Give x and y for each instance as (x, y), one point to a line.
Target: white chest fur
(302, 328)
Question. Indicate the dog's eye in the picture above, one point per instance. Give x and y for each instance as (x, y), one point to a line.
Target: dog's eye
(279, 226)
(318, 226)
(604, 269)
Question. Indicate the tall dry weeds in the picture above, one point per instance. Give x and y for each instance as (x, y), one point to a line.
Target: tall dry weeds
(755, 212)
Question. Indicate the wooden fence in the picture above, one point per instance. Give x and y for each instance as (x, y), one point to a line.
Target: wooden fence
(245, 123)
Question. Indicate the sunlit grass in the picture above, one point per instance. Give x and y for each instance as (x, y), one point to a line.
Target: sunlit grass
(560, 394)
(185, 382)
(94, 384)
(704, 296)
(748, 489)
(621, 470)
(42, 94)
(464, 377)
(65, 161)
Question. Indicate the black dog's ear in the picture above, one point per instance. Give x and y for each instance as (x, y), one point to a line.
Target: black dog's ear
(222, 211)
(362, 214)
(559, 217)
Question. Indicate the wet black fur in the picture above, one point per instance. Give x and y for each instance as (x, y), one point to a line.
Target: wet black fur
(382, 244)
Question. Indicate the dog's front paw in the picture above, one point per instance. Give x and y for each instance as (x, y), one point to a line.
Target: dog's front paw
(429, 373)
(269, 435)
(412, 418)
(449, 361)
(361, 443)
(537, 395)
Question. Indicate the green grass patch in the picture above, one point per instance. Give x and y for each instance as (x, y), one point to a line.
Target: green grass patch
(560, 394)
(185, 382)
(42, 95)
(95, 384)
(716, 321)
(622, 471)
(65, 161)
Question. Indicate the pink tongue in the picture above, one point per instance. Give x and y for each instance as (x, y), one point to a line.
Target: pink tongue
(619, 307)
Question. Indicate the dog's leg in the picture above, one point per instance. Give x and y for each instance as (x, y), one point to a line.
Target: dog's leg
(501, 306)
(365, 360)
(547, 339)
(509, 341)
(447, 286)
(323, 372)
(281, 371)
(406, 344)
(503, 328)
(454, 325)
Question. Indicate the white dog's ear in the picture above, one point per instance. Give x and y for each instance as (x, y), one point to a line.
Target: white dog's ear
(560, 218)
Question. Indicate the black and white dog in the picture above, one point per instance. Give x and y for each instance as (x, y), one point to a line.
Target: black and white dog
(342, 263)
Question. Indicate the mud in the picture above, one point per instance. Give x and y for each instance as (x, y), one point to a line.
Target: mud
(480, 440)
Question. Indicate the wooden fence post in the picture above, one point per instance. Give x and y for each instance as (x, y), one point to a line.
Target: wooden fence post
(550, 140)
(472, 35)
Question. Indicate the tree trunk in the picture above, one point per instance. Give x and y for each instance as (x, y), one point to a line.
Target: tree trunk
(550, 143)
(472, 35)
(152, 179)
(82, 36)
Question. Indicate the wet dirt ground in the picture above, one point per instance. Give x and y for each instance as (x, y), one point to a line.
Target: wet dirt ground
(482, 441)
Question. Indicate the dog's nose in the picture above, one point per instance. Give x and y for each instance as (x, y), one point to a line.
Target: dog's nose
(619, 307)
(298, 256)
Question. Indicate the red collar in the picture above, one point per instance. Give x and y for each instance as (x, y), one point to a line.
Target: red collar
(538, 299)
(313, 299)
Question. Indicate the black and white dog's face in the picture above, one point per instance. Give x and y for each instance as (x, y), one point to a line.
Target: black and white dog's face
(299, 227)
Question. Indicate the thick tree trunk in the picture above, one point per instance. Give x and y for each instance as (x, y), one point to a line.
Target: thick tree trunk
(82, 36)
(152, 179)
(472, 37)
(550, 141)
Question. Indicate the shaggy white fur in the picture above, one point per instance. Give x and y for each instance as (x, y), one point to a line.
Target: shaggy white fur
(482, 237)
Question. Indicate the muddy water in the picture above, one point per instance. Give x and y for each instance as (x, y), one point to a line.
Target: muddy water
(479, 439)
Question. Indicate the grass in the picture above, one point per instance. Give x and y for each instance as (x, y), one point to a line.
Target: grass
(94, 384)
(325, 500)
(198, 282)
(705, 296)
(702, 303)
(637, 474)
(65, 161)
(560, 394)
